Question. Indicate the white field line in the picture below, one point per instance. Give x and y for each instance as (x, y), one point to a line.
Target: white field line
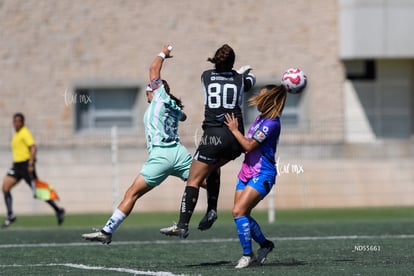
(175, 240)
(101, 268)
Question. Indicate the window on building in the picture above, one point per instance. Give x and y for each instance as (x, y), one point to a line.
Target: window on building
(102, 108)
(383, 97)
(360, 70)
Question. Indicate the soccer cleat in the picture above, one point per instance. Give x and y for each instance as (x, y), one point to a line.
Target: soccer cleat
(60, 216)
(175, 230)
(98, 237)
(263, 251)
(209, 218)
(246, 261)
(9, 220)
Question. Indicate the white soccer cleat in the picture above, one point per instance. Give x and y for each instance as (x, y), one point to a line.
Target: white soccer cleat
(246, 261)
(175, 230)
(98, 237)
(9, 220)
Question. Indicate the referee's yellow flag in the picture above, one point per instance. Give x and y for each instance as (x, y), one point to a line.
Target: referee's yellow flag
(45, 191)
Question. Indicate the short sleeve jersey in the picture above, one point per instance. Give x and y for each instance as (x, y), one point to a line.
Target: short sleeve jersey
(223, 93)
(261, 160)
(161, 118)
(21, 143)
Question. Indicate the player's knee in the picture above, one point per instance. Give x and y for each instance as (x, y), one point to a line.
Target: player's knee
(238, 211)
(7, 184)
(196, 182)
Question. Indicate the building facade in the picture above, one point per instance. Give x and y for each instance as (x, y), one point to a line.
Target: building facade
(78, 68)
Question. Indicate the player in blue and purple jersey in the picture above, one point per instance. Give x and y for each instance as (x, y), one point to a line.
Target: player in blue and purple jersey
(260, 161)
(258, 173)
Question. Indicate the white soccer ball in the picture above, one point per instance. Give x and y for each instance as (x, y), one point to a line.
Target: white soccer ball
(294, 80)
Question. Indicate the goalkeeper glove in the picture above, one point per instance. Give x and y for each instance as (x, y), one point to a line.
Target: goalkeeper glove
(244, 69)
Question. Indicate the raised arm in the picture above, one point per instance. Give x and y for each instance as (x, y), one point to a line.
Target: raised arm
(156, 65)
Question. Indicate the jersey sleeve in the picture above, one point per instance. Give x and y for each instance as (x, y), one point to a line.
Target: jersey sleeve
(264, 130)
(156, 83)
(158, 89)
(259, 136)
(249, 81)
(28, 138)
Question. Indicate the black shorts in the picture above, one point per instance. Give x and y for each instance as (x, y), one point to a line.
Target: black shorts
(217, 143)
(20, 170)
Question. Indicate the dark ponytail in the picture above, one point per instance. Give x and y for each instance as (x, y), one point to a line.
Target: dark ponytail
(174, 98)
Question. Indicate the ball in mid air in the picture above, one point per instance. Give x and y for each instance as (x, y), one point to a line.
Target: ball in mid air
(294, 80)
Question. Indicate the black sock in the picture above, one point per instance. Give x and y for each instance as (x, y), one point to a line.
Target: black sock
(54, 206)
(266, 243)
(9, 203)
(213, 189)
(188, 204)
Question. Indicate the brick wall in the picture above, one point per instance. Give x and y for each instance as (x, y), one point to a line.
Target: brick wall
(47, 46)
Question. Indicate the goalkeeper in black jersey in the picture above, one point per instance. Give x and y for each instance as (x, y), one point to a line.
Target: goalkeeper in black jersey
(223, 90)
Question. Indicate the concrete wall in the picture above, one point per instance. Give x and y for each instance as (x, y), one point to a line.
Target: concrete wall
(50, 46)
(376, 29)
(309, 177)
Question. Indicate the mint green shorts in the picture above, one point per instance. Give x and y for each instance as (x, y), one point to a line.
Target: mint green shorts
(162, 162)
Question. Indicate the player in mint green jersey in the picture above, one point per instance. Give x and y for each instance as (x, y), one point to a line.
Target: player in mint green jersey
(167, 156)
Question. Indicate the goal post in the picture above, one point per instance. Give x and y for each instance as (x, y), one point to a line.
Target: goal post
(271, 215)
(115, 168)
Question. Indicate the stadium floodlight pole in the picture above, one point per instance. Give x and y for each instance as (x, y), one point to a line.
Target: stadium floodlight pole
(115, 170)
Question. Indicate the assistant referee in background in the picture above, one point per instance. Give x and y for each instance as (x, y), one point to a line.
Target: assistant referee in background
(24, 158)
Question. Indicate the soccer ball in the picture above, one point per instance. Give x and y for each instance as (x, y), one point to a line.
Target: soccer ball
(294, 80)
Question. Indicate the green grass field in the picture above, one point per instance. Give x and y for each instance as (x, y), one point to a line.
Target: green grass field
(357, 241)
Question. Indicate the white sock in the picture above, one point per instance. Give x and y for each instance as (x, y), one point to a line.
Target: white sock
(114, 221)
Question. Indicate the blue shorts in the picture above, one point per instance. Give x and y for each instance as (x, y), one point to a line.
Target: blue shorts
(261, 183)
(162, 162)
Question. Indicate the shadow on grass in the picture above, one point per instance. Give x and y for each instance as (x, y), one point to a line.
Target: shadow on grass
(286, 262)
(209, 264)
